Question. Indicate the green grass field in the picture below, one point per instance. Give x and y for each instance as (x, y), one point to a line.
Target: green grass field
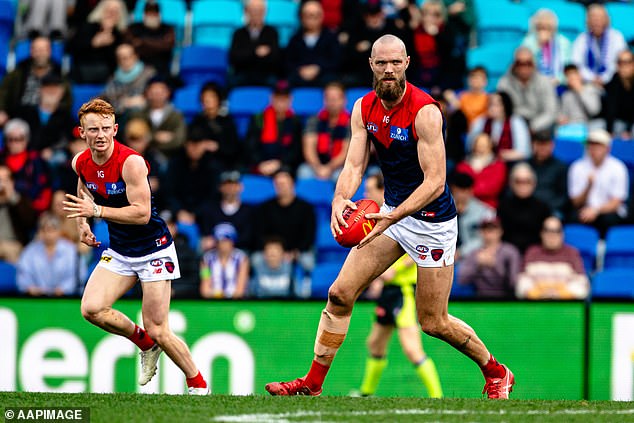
(260, 408)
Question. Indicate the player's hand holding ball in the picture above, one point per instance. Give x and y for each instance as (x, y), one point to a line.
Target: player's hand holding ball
(357, 225)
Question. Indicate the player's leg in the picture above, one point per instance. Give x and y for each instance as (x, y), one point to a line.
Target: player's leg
(410, 339)
(360, 268)
(432, 297)
(378, 339)
(155, 309)
(103, 288)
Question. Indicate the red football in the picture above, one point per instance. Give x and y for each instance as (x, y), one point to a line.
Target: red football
(358, 225)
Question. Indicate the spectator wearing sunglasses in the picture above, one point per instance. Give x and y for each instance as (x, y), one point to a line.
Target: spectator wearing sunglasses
(534, 96)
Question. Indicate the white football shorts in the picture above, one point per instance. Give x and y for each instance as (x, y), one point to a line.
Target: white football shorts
(159, 266)
(429, 244)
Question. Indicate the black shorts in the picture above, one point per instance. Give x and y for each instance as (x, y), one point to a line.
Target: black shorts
(395, 306)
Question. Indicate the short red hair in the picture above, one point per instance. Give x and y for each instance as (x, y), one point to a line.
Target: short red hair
(96, 105)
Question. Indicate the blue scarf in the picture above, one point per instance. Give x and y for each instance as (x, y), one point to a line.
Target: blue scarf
(597, 64)
(126, 77)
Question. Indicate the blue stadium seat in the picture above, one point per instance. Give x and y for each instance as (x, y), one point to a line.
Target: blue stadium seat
(83, 93)
(458, 290)
(100, 230)
(624, 150)
(4, 55)
(214, 22)
(187, 100)
(327, 248)
(568, 151)
(323, 276)
(7, 19)
(501, 21)
(619, 248)
(244, 102)
(200, 64)
(317, 192)
(192, 232)
(584, 238)
(495, 57)
(307, 101)
(173, 12)
(283, 15)
(257, 189)
(621, 18)
(22, 51)
(614, 283)
(574, 132)
(7, 278)
(353, 94)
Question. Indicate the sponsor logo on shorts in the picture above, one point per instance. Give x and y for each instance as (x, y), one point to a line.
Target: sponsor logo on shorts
(372, 127)
(437, 253)
(156, 263)
(169, 266)
(398, 133)
(422, 256)
(161, 241)
(113, 188)
(105, 259)
(91, 186)
(422, 248)
(158, 270)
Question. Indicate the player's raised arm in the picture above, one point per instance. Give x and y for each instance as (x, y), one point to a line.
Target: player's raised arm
(431, 156)
(352, 173)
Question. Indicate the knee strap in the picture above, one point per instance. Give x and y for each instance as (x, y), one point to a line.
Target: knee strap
(330, 334)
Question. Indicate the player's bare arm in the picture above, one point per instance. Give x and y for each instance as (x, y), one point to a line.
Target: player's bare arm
(352, 173)
(85, 233)
(134, 174)
(431, 156)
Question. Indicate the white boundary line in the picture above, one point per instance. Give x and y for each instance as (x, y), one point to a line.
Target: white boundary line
(289, 417)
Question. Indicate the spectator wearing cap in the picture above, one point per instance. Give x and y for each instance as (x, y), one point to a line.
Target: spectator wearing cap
(326, 137)
(93, 47)
(471, 212)
(21, 87)
(552, 173)
(521, 213)
(216, 129)
(492, 268)
(31, 174)
(168, 127)
(274, 138)
(552, 270)
(255, 52)
(224, 271)
(125, 88)
(313, 56)
(138, 136)
(50, 264)
(49, 123)
(191, 180)
(598, 184)
(533, 94)
(229, 208)
(153, 40)
(290, 218)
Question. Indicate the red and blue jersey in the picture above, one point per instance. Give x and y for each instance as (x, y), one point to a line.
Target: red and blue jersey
(108, 188)
(393, 134)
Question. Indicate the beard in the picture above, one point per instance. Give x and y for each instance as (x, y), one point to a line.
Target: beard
(389, 93)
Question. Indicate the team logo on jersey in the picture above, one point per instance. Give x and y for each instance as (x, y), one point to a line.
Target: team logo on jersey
(161, 241)
(169, 266)
(398, 133)
(372, 127)
(156, 263)
(428, 214)
(113, 188)
(437, 253)
(91, 186)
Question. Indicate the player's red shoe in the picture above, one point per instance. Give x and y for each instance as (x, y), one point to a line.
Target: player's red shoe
(294, 387)
(499, 388)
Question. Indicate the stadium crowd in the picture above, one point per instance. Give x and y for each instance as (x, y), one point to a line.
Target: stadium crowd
(514, 193)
